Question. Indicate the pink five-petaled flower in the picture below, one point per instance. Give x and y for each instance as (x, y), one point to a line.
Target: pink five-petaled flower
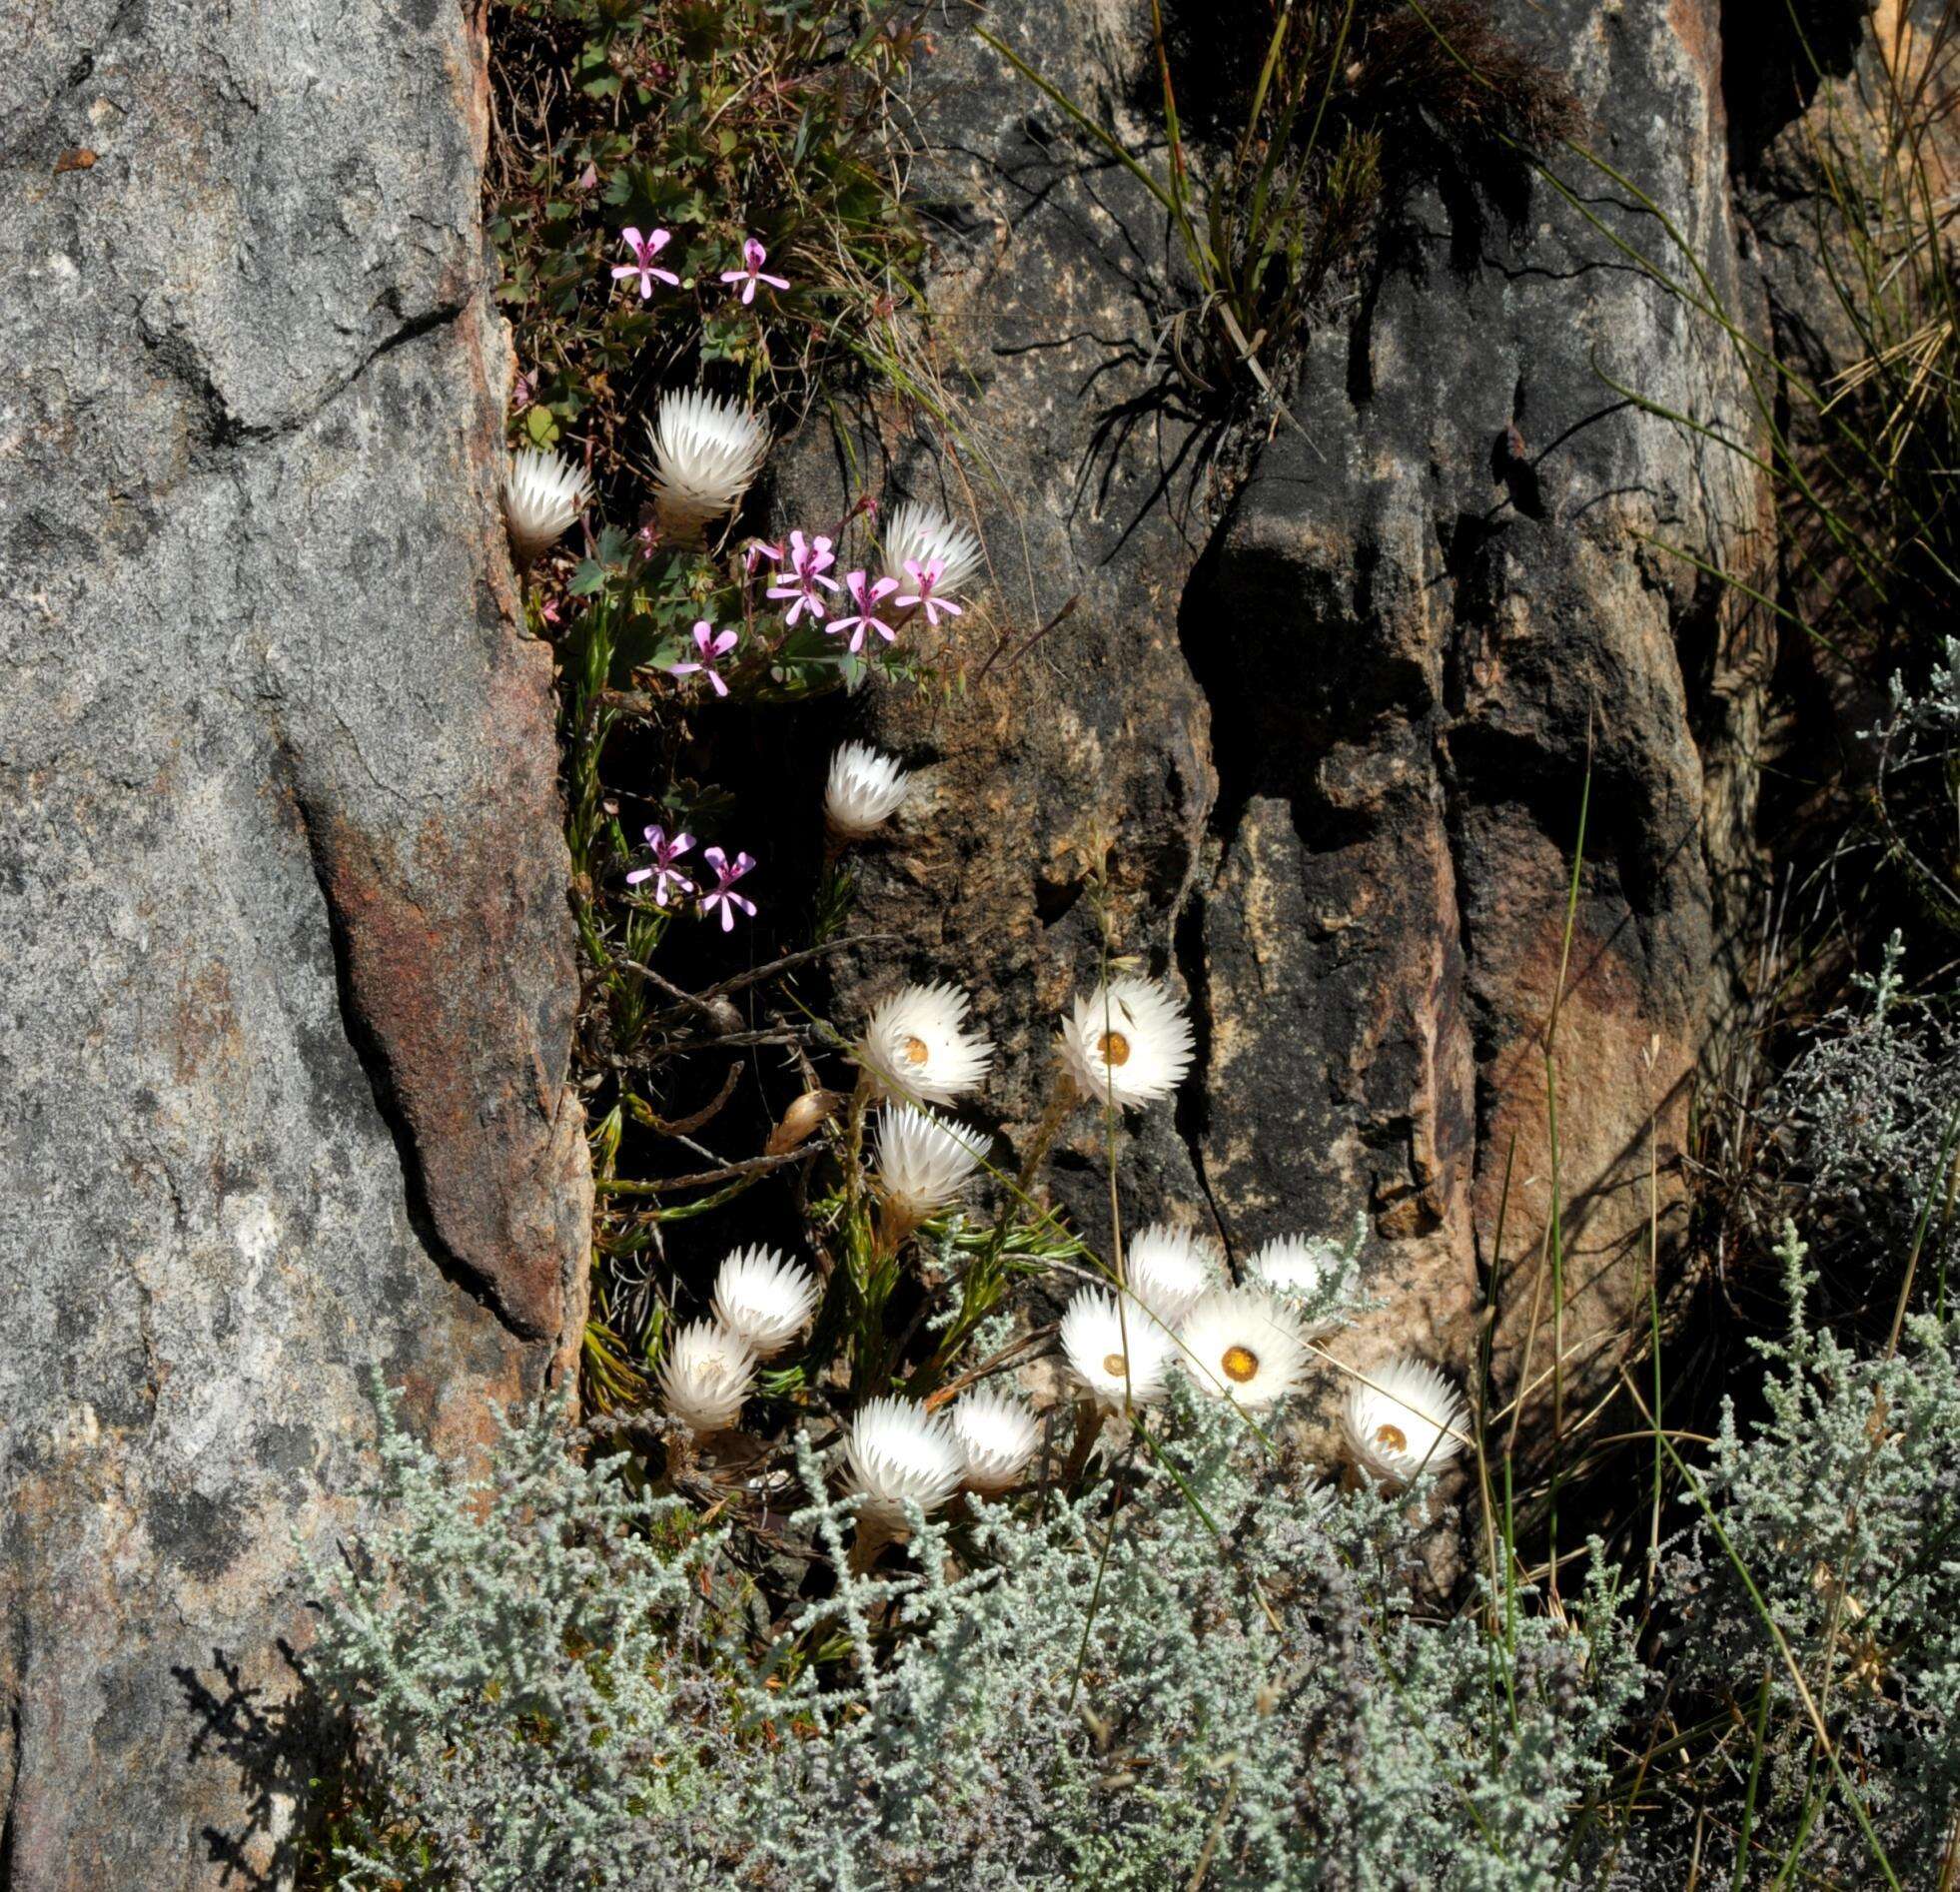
(643, 249)
(866, 593)
(807, 565)
(924, 578)
(711, 646)
(753, 258)
(661, 869)
(726, 873)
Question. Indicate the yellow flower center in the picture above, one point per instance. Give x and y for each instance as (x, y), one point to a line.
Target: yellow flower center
(916, 1051)
(1391, 1438)
(1115, 1365)
(1241, 1364)
(1113, 1047)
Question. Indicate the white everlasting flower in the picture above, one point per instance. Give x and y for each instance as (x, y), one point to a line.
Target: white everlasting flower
(998, 1436)
(1128, 1042)
(706, 1376)
(764, 1299)
(1294, 1267)
(921, 534)
(1243, 1345)
(1408, 1418)
(1113, 1352)
(707, 454)
(924, 1162)
(915, 1042)
(899, 1450)
(542, 494)
(1293, 1264)
(1168, 1269)
(864, 792)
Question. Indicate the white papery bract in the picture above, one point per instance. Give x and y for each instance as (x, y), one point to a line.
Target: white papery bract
(998, 1436)
(921, 534)
(864, 792)
(924, 1162)
(915, 1042)
(542, 494)
(1296, 1267)
(1169, 1268)
(707, 1373)
(1128, 1042)
(1243, 1344)
(764, 1298)
(1293, 1264)
(1409, 1416)
(1115, 1352)
(898, 1451)
(707, 454)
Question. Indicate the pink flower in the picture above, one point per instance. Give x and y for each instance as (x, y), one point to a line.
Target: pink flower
(759, 550)
(711, 646)
(753, 257)
(521, 394)
(587, 178)
(726, 873)
(866, 597)
(923, 579)
(643, 251)
(807, 565)
(662, 871)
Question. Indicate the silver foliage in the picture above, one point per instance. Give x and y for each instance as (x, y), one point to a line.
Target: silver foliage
(1210, 1660)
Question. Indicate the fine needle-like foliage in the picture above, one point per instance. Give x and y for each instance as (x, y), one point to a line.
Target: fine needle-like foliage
(1205, 1664)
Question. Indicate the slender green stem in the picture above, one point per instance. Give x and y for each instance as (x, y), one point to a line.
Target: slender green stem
(1749, 1794)
(1767, 1618)
(1556, 1233)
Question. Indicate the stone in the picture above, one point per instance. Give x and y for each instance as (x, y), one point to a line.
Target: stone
(1331, 704)
(290, 978)
(1857, 89)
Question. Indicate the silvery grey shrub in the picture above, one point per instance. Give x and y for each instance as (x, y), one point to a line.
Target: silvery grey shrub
(1208, 1660)
(557, 1678)
(1842, 1503)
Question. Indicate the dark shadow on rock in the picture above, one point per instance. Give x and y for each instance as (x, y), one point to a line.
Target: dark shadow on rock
(1301, 673)
(1775, 57)
(282, 1747)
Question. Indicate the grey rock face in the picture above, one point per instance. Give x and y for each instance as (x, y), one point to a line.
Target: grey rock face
(288, 970)
(1442, 604)
(1333, 718)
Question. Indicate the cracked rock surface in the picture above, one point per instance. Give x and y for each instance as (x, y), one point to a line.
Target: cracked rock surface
(1333, 709)
(289, 975)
